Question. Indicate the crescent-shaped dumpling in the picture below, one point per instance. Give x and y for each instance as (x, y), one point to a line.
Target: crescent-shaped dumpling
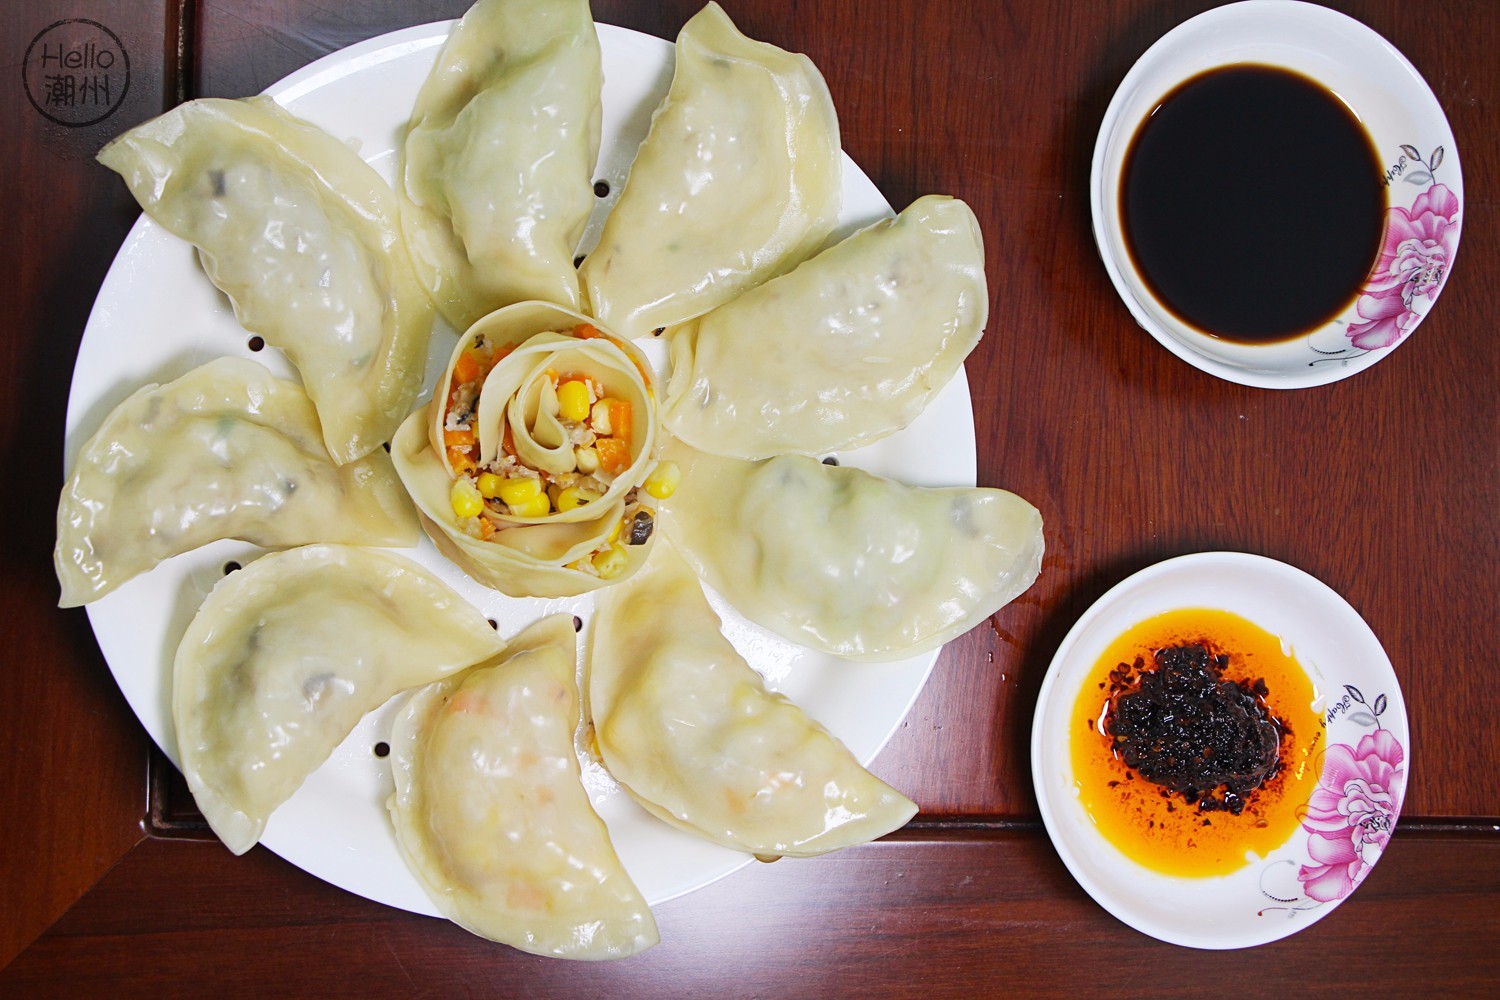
(491, 814)
(287, 655)
(689, 730)
(856, 565)
(738, 180)
(497, 179)
(849, 347)
(225, 451)
(303, 236)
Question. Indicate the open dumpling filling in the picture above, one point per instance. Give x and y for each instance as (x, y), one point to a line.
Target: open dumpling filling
(533, 462)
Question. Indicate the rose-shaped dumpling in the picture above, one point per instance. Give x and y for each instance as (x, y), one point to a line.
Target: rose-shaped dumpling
(497, 181)
(841, 352)
(738, 180)
(303, 237)
(529, 462)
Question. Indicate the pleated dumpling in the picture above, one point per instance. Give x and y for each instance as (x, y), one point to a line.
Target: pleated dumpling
(738, 180)
(849, 347)
(304, 238)
(225, 451)
(528, 464)
(839, 560)
(689, 730)
(287, 655)
(491, 814)
(497, 178)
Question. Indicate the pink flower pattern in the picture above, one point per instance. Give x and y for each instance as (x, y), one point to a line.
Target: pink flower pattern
(1351, 814)
(1415, 254)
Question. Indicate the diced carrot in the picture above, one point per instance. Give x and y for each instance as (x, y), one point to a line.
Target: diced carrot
(486, 529)
(508, 441)
(459, 460)
(458, 438)
(467, 368)
(614, 455)
(586, 331)
(619, 420)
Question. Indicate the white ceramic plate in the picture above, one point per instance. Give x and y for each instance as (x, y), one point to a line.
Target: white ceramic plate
(157, 316)
(1363, 767)
(1411, 136)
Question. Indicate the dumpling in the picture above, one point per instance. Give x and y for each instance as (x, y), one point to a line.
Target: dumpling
(849, 347)
(491, 814)
(837, 559)
(225, 451)
(689, 730)
(738, 180)
(497, 180)
(303, 237)
(528, 463)
(287, 655)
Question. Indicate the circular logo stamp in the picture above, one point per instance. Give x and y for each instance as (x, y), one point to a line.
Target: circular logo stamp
(76, 72)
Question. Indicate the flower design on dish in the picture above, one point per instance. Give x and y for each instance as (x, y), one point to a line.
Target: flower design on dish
(1414, 258)
(1351, 814)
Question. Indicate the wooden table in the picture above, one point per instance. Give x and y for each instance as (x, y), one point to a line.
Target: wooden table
(1386, 486)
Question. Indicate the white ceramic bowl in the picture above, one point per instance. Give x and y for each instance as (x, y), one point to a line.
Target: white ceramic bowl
(1411, 136)
(1362, 768)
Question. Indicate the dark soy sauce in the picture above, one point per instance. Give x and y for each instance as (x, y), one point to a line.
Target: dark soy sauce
(1253, 203)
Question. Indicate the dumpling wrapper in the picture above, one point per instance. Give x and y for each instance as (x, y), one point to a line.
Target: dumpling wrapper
(288, 654)
(689, 730)
(491, 814)
(738, 180)
(225, 451)
(846, 562)
(303, 237)
(497, 180)
(849, 347)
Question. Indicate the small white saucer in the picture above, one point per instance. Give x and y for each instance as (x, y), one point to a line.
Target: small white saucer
(1411, 137)
(1363, 767)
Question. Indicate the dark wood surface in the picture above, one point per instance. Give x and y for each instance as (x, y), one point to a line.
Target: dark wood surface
(1386, 486)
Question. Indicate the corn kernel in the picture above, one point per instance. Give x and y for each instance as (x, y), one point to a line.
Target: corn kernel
(615, 531)
(576, 496)
(521, 489)
(587, 459)
(573, 400)
(663, 480)
(537, 506)
(489, 485)
(611, 562)
(464, 496)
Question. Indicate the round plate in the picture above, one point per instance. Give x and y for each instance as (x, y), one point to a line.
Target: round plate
(1411, 137)
(1362, 770)
(157, 316)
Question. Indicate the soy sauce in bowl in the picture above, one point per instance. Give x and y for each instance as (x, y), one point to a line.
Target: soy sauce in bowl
(1252, 203)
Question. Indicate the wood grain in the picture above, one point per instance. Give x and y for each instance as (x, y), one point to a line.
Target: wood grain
(1386, 486)
(71, 785)
(991, 914)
